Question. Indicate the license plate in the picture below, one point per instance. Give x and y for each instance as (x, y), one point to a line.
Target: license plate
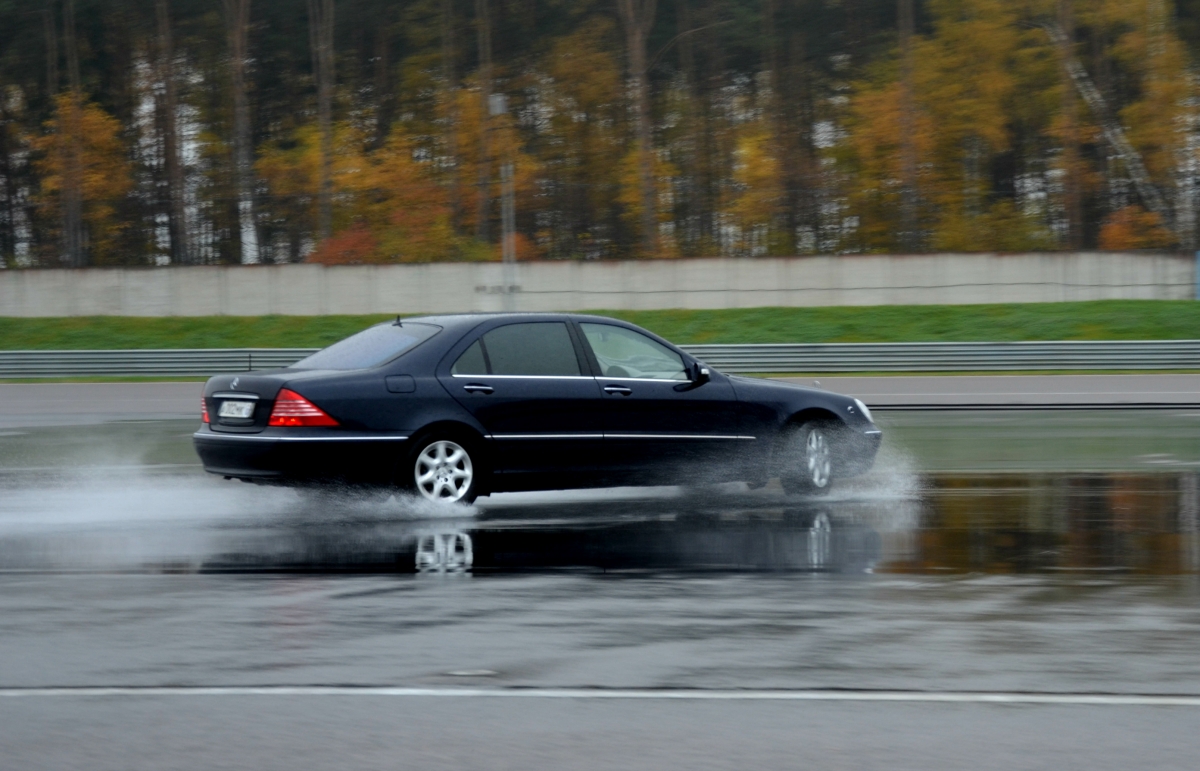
(236, 410)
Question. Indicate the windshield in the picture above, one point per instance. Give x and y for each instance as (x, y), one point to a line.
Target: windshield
(370, 348)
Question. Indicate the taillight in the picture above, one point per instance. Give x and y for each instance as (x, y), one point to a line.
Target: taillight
(203, 410)
(292, 409)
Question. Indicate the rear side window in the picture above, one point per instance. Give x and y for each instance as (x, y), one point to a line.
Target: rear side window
(542, 348)
(471, 362)
(370, 348)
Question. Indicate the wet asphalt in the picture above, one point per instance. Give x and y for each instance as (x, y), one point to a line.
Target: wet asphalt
(989, 557)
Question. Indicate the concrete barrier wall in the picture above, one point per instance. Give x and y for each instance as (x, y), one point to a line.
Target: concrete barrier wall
(569, 286)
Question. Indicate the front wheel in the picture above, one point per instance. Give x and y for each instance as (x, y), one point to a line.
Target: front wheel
(808, 460)
(442, 469)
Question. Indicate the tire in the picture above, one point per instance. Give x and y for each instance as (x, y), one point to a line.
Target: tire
(443, 467)
(808, 459)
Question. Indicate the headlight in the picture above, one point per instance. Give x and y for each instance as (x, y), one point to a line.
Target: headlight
(866, 411)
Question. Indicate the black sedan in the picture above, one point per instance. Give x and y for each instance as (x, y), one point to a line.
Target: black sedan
(452, 407)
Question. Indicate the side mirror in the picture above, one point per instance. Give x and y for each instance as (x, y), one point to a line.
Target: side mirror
(697, 375)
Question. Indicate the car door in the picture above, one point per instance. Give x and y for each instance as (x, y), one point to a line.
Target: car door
(659, 426)
(527, 383)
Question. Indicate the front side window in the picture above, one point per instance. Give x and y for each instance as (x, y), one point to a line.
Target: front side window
(542, 348)
(370, 347)
(623, 353)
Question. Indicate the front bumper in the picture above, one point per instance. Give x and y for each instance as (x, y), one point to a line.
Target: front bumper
(301, 456)
(858, 449)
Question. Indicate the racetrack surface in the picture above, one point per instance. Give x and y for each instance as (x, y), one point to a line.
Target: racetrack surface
(1004, 591)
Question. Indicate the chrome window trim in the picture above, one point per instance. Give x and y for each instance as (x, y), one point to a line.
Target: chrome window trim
(527, 377)
(573, 377)
(641, 380)
(546, 436)
(679, 436)
(723, 437)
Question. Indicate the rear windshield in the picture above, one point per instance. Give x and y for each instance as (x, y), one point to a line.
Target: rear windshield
(370, 348)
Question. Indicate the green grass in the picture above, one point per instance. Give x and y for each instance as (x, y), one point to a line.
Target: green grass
(1104, 320)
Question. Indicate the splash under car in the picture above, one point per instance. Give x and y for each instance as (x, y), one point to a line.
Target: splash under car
(453, 407)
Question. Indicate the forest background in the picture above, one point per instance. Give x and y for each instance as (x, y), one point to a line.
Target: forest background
(164, 132)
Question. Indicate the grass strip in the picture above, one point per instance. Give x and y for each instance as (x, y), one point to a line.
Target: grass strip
(1100, 320)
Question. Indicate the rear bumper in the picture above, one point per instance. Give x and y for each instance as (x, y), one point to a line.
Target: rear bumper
(301, 457)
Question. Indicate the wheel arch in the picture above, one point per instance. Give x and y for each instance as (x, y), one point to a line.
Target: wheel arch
(449, 426)
(809, 414)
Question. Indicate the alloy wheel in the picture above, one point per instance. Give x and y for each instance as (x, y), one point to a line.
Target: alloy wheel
(444, 472)
(817, 458)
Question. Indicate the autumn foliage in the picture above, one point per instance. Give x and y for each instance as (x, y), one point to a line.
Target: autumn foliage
(104, 172)
(1134, 228)
(774, 128)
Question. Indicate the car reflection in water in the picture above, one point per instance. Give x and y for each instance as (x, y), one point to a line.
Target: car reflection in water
(959, 523)
(685, 533)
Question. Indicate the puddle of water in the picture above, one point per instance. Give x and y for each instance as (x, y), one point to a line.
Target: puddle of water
(894, 521)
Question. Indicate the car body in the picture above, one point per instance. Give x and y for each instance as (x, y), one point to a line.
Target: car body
(456, 406)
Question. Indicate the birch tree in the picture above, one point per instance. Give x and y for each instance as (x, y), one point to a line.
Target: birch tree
(237, 23)
(637, 17)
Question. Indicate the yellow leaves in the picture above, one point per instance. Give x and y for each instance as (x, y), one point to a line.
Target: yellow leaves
(387, 207)
(586, 75)
(1001, 228)
(987, 73)
(874, 149)
(966, 86)
(292, 168)
(1155, 54)
(1134, 228)
(630, 199)
(103, 169)
(504, 145)
(965, 74)
(758, 187)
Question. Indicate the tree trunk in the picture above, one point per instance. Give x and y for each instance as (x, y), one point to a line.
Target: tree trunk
(320, 26)
(450, 90)
(713, 152)
(384, 97)
(637, 16)
(1072, 197)
(910, 237)
(690, 236)
(51, 50)
(483, 26)
(176, 201)
(8, 237)
(802, 179)
(782, 133)
(237, 19)
(72, 192)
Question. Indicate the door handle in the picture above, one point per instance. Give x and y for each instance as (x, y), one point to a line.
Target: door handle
(616, 389)
(478, 388)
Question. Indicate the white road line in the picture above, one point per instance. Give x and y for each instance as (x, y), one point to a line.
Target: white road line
(680, 694)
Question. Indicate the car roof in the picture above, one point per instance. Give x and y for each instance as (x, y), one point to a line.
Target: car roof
(465, 320)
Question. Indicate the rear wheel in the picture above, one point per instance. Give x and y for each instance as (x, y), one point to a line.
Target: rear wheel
(441, 468)
(809, 459)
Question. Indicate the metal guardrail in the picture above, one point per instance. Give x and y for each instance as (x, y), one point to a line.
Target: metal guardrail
(186, 362)
(804, 357)
(965, 357)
